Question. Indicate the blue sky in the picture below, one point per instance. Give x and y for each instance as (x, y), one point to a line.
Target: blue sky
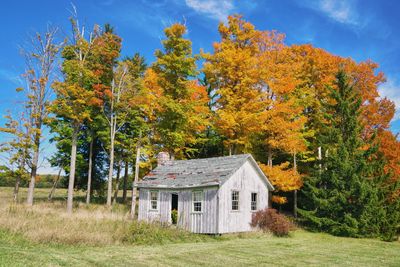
(354, 28)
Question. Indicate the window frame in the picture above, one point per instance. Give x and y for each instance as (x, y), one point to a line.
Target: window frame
(151, 200)
(236, 200)
(252, 202)
(201, 194)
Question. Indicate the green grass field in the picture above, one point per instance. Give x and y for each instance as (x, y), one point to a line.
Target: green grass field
(19, 246)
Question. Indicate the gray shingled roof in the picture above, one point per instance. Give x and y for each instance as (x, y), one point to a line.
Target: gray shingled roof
(194, 172)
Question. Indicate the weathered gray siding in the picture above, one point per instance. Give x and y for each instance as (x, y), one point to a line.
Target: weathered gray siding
(204, 222)
(217, 215)
(246, 180)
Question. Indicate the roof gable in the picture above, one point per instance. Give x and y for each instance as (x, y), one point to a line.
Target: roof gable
(197, 172)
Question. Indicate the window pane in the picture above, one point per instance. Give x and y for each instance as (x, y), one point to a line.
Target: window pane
(197, 196)
(253, 201)
(153, 199)
(235, 200)
(197, 206)
(197, 199)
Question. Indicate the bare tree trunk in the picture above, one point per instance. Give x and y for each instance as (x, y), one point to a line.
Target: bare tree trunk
(72, 170)
(16, 188)
(320, 158)
(19, 176)
(89, 182)
(134, 184)
(110, 173)
(53, 188)
(117, 183)
(125, 182)
(295, 191)
(269, 161)
(35, 161)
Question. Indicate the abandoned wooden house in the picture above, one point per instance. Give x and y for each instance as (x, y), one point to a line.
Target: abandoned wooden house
(212, 195)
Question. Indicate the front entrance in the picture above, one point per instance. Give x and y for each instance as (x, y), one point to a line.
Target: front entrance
(174, 208)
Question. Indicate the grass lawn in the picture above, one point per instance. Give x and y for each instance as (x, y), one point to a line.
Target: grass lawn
(19, 247)
(302, 249)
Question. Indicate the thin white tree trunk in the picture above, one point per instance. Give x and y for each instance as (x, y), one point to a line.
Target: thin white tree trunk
(53, 188)
(35, 161)
(320, 158)
(125, 182)
(110, 171)
(18, 179)
(269, 161)
(116, 91)
(89, 182)
(135, 181)
(16, 188)
(117, 183)
(72, 170)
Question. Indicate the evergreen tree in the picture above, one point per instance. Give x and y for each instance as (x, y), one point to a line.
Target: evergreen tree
(341, 195)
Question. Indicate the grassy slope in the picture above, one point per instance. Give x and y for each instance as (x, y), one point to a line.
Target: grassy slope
(302, 248)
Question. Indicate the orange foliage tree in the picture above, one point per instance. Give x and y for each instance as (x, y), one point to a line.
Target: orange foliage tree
(283, 178)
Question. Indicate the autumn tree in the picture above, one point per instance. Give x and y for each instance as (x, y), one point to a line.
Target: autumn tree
(40, 55)
(75, 95)
(137, 121)
(257, 109)
(18, 147)
(103, 59)
(233, 71)
(117, 112)
(183, 112)
(284, 179)
(284, 130)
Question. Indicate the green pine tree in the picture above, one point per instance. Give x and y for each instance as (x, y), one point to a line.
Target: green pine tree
(341, 195)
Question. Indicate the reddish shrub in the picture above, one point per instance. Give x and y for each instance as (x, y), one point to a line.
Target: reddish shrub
(270, 219)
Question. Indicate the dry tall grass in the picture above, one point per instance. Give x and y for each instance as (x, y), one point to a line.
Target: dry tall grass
(42, 224)
(48, 221)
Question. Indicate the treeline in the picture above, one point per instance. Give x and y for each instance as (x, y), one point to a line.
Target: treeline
(7, 179)
(314, 121)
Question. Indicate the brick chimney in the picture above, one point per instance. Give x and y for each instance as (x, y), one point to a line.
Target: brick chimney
(163, 158)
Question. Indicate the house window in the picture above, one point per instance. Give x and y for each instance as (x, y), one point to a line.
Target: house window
(153, 200)
(197, 197)
(253, 201)
(235, 200)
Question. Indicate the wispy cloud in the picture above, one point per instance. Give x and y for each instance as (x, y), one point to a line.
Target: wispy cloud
(11, 77)
(342, 11)
(391, 90)
(216, 9)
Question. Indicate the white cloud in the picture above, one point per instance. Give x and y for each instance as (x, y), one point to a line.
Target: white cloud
(391, 90)
(217, 9)
(342, 11)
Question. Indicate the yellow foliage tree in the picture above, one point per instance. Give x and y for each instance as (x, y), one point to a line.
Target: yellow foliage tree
(233, 70)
